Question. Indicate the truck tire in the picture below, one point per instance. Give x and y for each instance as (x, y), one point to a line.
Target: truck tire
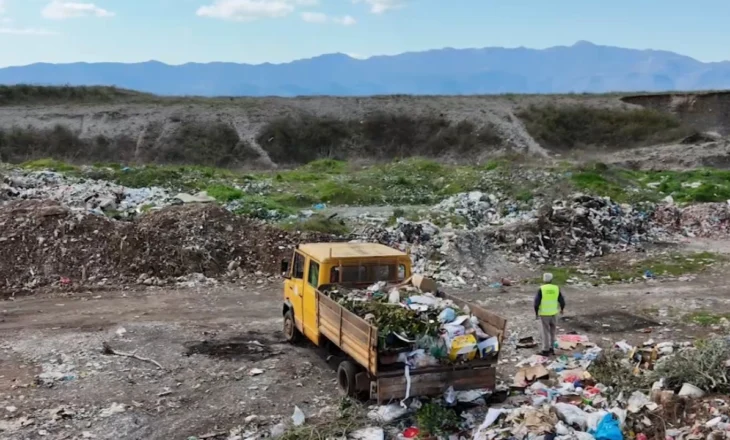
(291, 333)
(346, 378)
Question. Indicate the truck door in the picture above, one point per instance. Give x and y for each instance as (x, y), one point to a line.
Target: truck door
(311, 326)
(295, 289)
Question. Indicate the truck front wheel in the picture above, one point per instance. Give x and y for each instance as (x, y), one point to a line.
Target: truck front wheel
(346, 378)
(291, 333)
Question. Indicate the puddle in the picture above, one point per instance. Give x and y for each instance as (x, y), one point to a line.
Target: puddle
(233, 348)
(609, 322)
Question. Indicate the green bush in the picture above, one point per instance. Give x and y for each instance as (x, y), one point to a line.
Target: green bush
(22, 94)
(567, 127)
(194, 143)
(379, 135)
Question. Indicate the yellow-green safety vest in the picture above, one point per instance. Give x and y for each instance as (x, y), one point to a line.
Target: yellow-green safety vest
(549, 304)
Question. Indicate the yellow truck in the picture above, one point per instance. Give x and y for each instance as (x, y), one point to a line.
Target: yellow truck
(310, 313)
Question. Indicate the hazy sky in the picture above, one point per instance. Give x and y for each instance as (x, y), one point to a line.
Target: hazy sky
(255, 31)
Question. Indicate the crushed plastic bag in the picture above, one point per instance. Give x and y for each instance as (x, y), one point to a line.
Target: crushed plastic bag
(608, 429)
(394, 296)
(447, 315)
(572, 415)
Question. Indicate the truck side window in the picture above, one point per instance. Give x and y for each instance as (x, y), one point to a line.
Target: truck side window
(298, 266)
(313, 273)
(401, 272)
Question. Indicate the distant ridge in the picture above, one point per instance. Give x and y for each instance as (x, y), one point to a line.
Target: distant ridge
(582, 67)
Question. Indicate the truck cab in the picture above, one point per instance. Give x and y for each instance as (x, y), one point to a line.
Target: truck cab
(316, 264)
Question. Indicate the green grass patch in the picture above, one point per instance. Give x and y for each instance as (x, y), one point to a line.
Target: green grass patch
(263, 207)
(678, 264)
(705, 318)
(561, 275)
(674, 265)
(224, 193)
(50, 165)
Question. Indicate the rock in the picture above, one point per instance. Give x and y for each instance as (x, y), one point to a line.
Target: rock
(114, 408)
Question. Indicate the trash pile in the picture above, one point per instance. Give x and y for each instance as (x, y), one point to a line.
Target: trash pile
(417, 323)
(480, 209)
(97, 196)
(102, 197)
(701, 220)
(45, 243)
(581, 227)
(564, 399)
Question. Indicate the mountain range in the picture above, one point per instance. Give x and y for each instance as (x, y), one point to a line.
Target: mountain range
(582, 67)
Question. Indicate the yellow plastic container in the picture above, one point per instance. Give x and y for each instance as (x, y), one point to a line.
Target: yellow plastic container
(463, 347)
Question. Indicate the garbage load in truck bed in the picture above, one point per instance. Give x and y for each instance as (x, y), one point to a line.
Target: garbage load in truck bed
(401, 336)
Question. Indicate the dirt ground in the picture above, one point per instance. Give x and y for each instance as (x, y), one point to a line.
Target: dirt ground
(208, 341)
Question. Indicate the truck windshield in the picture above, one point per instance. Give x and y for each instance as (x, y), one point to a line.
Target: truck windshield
(368, 273)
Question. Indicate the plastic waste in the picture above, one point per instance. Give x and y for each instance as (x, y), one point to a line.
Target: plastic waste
(608, 429)
(387, 413)
(394, 296)
(371, 433)
(689, 390)
(572, 415)
(447, 315)
(450, 396)
(298, 417)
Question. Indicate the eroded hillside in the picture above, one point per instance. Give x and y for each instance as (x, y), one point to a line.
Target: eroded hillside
(106, 124)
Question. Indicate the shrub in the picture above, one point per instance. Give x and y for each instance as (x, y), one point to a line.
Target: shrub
(567, 127)
(33, 94)
(379, 135)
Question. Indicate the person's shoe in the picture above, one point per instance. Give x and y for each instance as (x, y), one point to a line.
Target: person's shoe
(552, 352)
(545, 353)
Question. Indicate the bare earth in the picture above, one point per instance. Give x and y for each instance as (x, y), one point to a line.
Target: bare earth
(209, 340)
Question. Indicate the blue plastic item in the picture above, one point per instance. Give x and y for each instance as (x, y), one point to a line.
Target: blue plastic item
(608, 429)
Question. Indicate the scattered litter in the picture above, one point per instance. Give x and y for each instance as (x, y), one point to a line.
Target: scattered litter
(298, 417)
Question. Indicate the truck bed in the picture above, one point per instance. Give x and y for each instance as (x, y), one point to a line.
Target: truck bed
(359, 340)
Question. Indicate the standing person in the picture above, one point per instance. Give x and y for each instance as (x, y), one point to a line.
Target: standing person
(548, 301)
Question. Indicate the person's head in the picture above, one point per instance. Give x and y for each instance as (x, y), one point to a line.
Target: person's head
(547, 277)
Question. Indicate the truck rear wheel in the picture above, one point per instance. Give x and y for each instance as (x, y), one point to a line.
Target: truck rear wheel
(291, 333)
(346, 378)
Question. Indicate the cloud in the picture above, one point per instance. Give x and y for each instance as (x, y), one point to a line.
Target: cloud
(2, 6)
(381, 6)
(58, 10)
(347, 20)
(318, 17)
(314, 17)
(25, 31)
(247, 10)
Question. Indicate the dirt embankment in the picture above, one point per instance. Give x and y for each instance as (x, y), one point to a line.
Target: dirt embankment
(708, 111)
(86, 126)
(265, 132)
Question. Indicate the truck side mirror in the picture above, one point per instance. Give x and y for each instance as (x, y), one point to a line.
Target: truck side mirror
(285, 268)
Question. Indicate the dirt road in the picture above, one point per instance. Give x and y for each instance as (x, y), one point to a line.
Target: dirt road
(209, 341)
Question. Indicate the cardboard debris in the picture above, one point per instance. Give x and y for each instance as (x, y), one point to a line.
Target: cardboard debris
(528, 375)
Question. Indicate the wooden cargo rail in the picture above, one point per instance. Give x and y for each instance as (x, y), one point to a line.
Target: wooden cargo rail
(359, 340)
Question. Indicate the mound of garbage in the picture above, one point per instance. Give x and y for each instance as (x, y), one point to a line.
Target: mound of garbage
(98, 196)
(580, 227)
(416, 321)
(44, 242)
